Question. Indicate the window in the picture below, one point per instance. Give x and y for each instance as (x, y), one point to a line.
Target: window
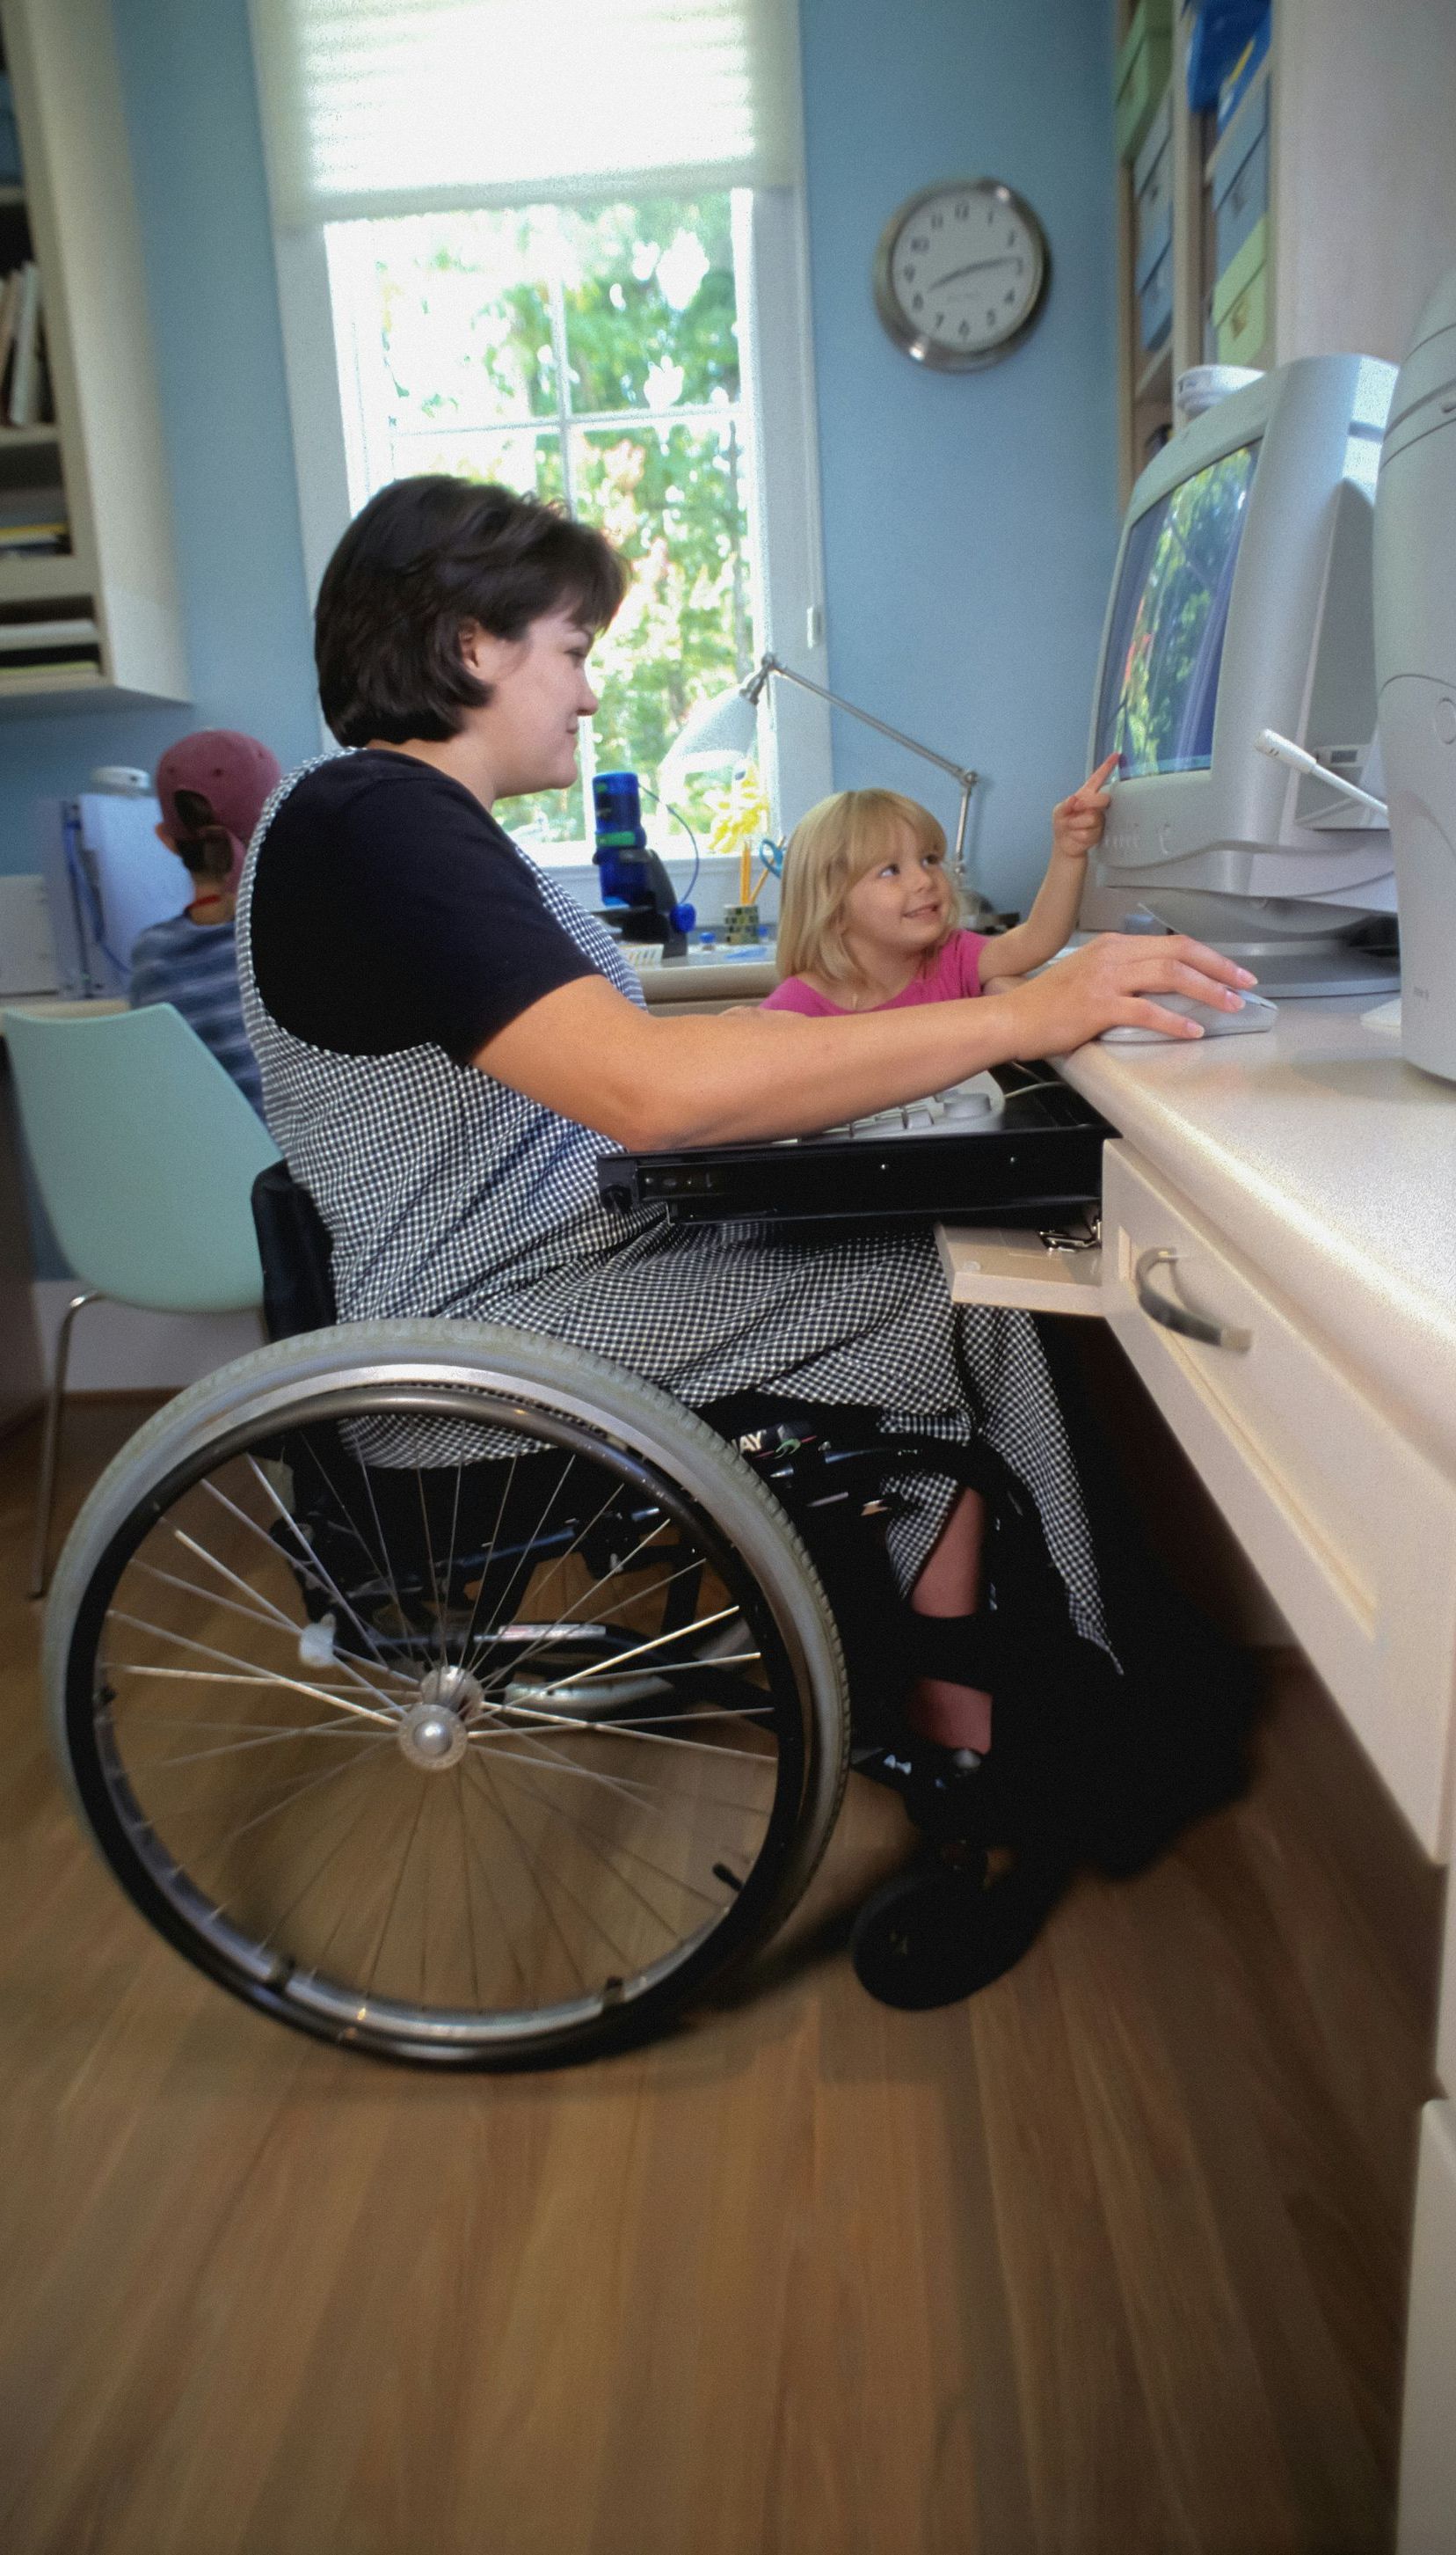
(584, 353)
(492, 258)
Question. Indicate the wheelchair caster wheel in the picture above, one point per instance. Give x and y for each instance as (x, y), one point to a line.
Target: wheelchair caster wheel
(942, 1928)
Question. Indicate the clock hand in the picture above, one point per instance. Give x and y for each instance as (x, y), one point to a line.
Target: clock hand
(980, 267)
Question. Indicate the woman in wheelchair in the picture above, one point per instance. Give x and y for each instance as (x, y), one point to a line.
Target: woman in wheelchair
(465, 1494)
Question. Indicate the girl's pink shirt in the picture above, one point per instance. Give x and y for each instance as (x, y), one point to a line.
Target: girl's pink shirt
(951, 976)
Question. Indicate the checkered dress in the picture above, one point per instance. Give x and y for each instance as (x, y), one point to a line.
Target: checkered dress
(446, 1193)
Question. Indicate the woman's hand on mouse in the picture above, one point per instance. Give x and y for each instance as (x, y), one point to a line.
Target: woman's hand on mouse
(1114, 983)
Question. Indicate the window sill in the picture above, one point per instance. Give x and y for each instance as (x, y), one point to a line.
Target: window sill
(572, 866)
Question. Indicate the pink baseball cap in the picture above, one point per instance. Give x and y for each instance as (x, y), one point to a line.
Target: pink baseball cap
(233, 773)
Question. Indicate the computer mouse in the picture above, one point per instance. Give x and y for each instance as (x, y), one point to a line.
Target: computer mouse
(1257, 1014)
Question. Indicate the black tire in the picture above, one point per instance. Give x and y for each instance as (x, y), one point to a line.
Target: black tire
(949, 1924)
(531, 1744)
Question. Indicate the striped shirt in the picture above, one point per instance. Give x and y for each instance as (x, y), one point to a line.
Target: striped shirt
(194, 966)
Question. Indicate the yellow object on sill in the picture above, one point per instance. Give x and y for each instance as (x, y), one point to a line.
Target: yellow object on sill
(740, 819)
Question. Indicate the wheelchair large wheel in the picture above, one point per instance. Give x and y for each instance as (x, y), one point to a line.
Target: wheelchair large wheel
(448, 1693)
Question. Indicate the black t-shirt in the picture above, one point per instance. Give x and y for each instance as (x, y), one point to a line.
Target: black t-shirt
(390, 910)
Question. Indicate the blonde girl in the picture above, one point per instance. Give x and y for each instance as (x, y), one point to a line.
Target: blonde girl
(869, 918)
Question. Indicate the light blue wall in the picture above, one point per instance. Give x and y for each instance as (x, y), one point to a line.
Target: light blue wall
(969, 521)
(191, 105)
(969, 524)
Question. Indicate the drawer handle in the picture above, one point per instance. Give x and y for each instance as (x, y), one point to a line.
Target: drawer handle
(1178, 1317)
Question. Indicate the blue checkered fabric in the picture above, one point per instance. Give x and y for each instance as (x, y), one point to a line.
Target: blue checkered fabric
(448, 1192)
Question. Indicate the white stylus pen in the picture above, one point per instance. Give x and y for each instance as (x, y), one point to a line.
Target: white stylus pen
(1283, 749)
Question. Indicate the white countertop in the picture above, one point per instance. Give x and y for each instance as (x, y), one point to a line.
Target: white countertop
(1330, 1163)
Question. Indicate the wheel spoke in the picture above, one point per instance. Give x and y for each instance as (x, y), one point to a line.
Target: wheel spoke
(565, 1720)
(483, 1860)
(286, 1623)
(638, 1596)
(651, 1795)
(311, 1883)
(261, 1531)
(470, 1925)
(204, 1651)
(314, 1564)
(532, 1874)
(263, 1739)
(526, 1551)
(561, 1559)
(600, 1840)
(623, 1658)
(440, 1612)
(310, 1784)
(393, 1896)
(579, 1904)
(382, 1561)
(236, 1676)
(450, 1562)
(487, 1558)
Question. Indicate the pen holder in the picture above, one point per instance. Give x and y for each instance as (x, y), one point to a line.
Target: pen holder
(741, 923)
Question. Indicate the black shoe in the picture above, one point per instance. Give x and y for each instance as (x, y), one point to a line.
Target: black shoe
(945, 1927)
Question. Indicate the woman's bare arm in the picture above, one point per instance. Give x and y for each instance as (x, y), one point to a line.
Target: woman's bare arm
(648, 1082)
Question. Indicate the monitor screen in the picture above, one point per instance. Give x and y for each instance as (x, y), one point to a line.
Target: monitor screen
(1166, 640)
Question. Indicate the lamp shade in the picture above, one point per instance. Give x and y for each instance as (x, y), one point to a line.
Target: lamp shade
(726, 724)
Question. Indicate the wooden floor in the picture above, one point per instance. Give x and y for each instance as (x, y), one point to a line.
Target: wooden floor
(1111, 2256)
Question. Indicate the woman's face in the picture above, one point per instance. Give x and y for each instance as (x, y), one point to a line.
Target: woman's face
(898, 910)
(538, 693)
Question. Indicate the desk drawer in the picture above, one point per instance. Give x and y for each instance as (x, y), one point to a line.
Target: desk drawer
(1352, 1530)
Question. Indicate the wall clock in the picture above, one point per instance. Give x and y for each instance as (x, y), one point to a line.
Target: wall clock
(960, 274)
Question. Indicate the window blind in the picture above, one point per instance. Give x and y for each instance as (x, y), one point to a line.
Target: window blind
(399, 106)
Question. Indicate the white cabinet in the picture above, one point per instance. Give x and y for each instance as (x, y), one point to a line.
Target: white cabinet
(101, 460)
(1427, 2510)
(1352, 1529)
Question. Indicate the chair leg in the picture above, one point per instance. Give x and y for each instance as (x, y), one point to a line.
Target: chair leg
(50, 1443)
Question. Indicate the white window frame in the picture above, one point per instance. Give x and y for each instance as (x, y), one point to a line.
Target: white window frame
(771, 251)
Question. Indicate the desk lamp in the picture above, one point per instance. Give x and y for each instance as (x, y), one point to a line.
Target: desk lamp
(769, 665)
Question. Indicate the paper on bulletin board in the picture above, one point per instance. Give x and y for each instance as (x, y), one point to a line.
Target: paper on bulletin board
(26, 948)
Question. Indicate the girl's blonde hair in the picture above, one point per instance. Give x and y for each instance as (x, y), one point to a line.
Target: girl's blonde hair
(829, 851)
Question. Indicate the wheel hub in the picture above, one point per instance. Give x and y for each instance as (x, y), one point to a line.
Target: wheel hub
(436, 1731)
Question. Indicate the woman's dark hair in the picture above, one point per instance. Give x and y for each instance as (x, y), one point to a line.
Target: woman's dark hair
(425, 557)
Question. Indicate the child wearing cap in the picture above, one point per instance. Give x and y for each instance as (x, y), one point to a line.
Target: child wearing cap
(212, 787)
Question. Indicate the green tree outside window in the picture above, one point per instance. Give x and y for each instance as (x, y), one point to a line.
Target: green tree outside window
(589, 355)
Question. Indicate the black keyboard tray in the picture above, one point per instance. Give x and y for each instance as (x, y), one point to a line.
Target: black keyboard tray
(1037, 1160)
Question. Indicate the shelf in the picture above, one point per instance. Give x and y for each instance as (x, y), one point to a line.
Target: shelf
(38, 685)
(1157, 373)
(103, 457)
(50, 576)
(1259, 81)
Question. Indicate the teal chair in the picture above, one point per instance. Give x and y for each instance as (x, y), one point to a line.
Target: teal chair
(145, 1152)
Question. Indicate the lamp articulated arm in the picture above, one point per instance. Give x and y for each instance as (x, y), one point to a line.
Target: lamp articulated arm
(768, 666)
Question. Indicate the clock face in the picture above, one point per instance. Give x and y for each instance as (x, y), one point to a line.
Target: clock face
(961, 273)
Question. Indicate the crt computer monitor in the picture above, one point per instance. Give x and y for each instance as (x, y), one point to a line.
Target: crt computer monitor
(1241, 600)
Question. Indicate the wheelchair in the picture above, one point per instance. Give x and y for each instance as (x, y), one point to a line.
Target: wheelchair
(459, 1697)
